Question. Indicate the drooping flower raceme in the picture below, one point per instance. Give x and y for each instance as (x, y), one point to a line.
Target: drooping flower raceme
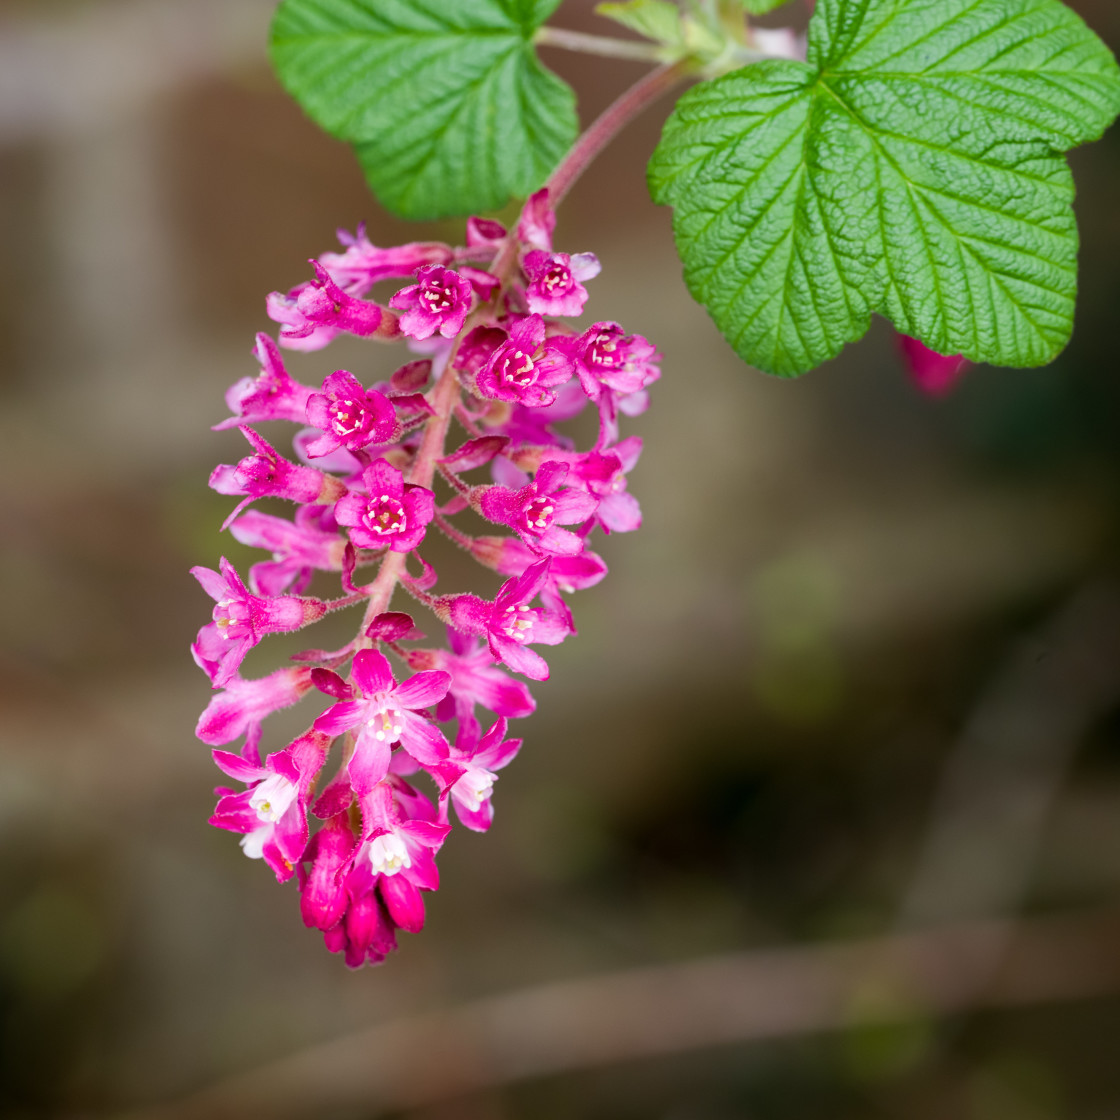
(371, 474)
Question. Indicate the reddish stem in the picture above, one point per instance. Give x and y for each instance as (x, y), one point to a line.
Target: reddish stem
(611, 121)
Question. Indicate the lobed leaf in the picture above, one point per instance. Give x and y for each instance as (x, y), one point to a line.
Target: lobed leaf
(447, 104)
(912, 166)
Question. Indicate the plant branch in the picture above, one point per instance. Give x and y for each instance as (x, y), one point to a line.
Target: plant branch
(601, 45)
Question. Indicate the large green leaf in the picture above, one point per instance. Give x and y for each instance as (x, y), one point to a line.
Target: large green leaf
(446, 102)
(913, 167)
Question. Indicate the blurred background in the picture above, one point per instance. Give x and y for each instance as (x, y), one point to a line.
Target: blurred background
(819, 817)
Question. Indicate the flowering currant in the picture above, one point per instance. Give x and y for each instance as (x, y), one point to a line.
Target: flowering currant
(496, 356)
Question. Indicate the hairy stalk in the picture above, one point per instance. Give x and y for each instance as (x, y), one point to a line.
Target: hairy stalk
(601, 45)
(612, 120)
(445, 398)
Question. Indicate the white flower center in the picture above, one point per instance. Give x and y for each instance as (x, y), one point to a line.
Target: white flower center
(270, 799)
(348, 416)
(475, 787)
(384, 515)
(539, 513)
(518, 623)
(386, 725)
(388, 854)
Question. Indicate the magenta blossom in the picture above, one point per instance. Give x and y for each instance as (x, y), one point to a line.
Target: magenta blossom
(536, 511)
(402, 837)
(343, 902)
(241, 708)
(554, 281)
(475, 679)
(361, 894)
(468, 774)
(367, 933)
(608, 358)
(362, 264)
(538, 222)
(484, 231)
(440, 300)
(603, 474)
(267, 474)
(312, 313)
(509, 623)
(323, 896)
(271, 814)
(240, 621)
(511, 557)
(272, 395)
(390, 514)
(349, 416)
(935, 374)
(525, 368)
(387, 713)
(299, 548)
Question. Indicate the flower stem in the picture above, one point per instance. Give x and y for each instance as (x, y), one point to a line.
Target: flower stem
(444, 398)
(600, 45)
(613, 119)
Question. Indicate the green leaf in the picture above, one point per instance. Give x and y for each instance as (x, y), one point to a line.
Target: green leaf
(912, 167)
(446, 102)
(655, 19)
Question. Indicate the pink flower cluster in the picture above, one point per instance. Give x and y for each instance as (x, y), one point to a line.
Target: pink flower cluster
(491, 353)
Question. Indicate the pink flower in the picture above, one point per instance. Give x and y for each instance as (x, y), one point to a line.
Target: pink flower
(267, 474)
(360, 894)
(509, 623)
(402, 837)
(608, 358)
(468, 774)
(349, 416)
(313, 313)
(440, 300)
(271, 814)
(390, 514)
(323, 897)
(525, 368)
(272, 395)
(362, 264)
(935, 374)
(484, 231)
(554, 281)
(367, 933)
(241, 620)
(298, 549)
(536, 511)
(475, 679)
(387, 713)
(603, 474)
(511, 557)
(538, 221)
(244, 704)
